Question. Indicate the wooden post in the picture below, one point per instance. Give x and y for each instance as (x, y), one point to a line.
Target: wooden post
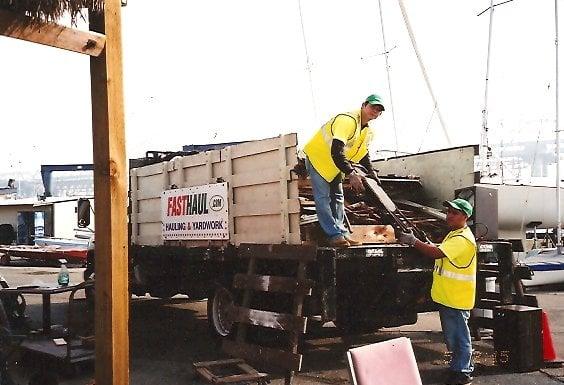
(110, 193)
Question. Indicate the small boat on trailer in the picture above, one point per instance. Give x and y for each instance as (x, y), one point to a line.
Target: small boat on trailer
(42, 253)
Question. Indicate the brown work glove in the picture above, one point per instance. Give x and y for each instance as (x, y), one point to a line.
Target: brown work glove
(355, 181)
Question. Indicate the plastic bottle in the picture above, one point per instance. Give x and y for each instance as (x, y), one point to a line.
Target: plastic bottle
(63, 278)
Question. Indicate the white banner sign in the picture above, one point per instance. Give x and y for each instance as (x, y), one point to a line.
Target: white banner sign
(199, 212)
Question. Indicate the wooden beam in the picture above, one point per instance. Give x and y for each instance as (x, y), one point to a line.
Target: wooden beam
(51, 34)
(268, 319)
(273, 283)
(263, 355)
(110, 192)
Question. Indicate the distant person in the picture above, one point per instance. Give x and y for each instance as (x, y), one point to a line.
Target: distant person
(343, 140)
(454, 286)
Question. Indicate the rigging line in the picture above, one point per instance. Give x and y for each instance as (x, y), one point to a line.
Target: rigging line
(494, 5)
(308, 62)
(423, 70)
(386, 54)
(427, 129)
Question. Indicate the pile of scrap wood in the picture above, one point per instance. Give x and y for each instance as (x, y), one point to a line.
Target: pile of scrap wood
(369, 223)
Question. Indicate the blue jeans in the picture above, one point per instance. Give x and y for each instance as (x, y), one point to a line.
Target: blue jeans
(454, 323)
(329, 202)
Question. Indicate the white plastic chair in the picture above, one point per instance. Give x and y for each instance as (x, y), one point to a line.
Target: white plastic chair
(390, 362)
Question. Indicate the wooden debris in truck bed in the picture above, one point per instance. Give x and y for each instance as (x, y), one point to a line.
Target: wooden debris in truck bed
(368, 222)
(373, 234)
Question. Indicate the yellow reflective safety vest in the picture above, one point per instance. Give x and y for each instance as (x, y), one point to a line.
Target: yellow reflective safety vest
(454, 276)
(345, 127)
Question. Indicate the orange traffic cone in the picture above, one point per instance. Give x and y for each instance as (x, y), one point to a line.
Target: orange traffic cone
(548, 352)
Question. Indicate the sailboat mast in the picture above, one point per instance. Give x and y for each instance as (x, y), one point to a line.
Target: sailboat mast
(386, 54)
(485, 151)
(557, 129)
(485, 148)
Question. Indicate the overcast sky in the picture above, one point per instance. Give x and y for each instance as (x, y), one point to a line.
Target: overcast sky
(199, 72)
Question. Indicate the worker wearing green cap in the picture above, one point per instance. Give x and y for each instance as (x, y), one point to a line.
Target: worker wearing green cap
(454, 285)
(339, 143)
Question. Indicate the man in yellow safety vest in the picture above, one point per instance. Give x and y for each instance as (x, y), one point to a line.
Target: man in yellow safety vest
(343, 140)
(454, 286)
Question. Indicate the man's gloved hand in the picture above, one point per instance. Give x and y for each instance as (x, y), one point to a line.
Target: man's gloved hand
(407, 238)
(356, 182)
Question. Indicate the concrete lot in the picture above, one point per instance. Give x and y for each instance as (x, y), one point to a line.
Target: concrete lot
(168, 335)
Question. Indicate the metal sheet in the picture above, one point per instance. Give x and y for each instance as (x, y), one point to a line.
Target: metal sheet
(441, 171)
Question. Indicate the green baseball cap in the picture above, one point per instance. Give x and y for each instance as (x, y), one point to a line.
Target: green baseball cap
(375, 99)
(460, 205)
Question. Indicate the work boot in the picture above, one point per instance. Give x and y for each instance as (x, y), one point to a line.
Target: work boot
(352, 242)
(458, 378)
(339, 242)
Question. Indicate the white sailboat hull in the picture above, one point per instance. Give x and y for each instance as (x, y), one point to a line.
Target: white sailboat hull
(547, 267)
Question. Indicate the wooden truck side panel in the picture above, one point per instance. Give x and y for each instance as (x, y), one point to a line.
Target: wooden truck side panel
(262, 192)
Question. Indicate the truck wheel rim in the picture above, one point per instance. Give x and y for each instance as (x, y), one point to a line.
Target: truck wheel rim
(222, 300)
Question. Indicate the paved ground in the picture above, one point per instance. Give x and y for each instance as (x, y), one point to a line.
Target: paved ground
(167, 336)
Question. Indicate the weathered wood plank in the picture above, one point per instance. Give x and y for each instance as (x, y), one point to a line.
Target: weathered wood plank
(151, 169)
(263, 208)
(230, 361)
(262, 355)
(110, 192)
(206, 374)
(273, 284)
(247, 296)
(268, 319)
(201, 159)
(265, 145)
(284, 202)
(249, 374)
(149, 216)
(269, 175)
(240, 378)
(24, 28)
(297, 310)
(145, 194)
(249, 237)
(286, 252)
(228, 179)
(134, 208)
(373, 233)
(247, 368)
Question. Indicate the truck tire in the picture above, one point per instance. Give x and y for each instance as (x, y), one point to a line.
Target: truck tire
(219, 302)
(4, 259)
